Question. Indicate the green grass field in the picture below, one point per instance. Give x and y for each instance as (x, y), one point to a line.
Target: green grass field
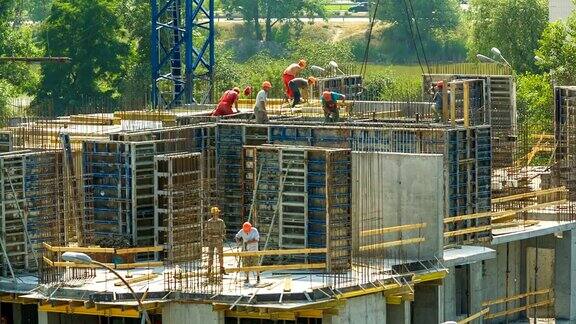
(337, 7)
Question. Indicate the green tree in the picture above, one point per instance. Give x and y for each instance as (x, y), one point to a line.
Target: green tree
(430, 24)
(557, 51)
(535, 99)
(15, 78)
(273, 12)
(514, 27)
(91, 34)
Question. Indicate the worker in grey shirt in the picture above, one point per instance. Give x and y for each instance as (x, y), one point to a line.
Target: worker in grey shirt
(260, 107)
(296, 85)
(249, 237)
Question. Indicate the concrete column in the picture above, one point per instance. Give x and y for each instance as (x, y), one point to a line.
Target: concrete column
(17, 313)
(362, 309)
(565, 278)
(428, 304)
(191, 313)
(399, 314)
(48, 318)
(476, 290)
(449, 294)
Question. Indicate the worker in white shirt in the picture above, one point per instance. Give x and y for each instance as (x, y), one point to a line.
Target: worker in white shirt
(249, 237)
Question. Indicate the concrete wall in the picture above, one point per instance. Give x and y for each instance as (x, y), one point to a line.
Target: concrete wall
(363, 309)
(191, 313)
(391, 189)
(560, 9)
(473, 292)
(428, 304)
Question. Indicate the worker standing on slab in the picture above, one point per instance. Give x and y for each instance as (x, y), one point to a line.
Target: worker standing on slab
(228, 99)
(249, 237)
(215, 233)
(329, 101)
(260, 107)
(290, 73)
(438, 100)
(298, 84)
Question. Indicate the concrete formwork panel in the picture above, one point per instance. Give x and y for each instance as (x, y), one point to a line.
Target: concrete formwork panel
(394, 189)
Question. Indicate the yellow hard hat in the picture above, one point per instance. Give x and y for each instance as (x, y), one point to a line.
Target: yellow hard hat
(214, 210)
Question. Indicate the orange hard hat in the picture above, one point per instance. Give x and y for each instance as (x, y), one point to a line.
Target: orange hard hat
(248, 90)
(311, 80)
(266, 84)
(236, 89)
(247, 227)
(440, 84)
(302, 63)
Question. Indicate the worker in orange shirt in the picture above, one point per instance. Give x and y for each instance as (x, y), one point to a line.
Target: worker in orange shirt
(228, 99)
(290, 73)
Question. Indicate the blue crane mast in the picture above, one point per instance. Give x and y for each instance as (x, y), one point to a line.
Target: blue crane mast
(182, 52)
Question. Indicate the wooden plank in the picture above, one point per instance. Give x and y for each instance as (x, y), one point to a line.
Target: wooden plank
(158, 248)
(296, 266)
(514, 224)
(475, 316)
(390, 244)
(275, 252)
(65, 264)
(519, 309)
(287, 284)
(151, 264)
(453, 219)
(48, 261)
(78, 249)
(515, 297)
(392, 229)
(512, 213)
(468, 231)
(141, 278)
(452, 105)
(528, 195)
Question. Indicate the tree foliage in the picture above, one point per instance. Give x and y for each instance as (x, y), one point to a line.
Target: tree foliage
(514, 27)
(273, 11)
(430, 25)
(91, 34)
(535, 99)
(557, 51)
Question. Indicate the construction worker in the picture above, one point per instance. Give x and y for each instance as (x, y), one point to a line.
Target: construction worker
(296, 85)
(260, 107)
(228, 99)
(290, 73)
(249, 237)
(329, 101)
(215, 232)
(438, 100)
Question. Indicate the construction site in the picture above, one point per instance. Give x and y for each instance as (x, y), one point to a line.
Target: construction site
(396, 213)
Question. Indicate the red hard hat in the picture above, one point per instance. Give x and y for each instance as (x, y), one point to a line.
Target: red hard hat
(247, 227)
(440, 84)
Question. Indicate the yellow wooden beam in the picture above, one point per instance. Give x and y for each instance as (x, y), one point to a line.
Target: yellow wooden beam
(137, 279)
(513, 213)
(81, 310)
(275, 252)
(123, 266)
(519, 309)
(468, 231)
(392, 229)
(158, 248)
(432, 276)
(475, 316)
(515, 297)
(296, 266)
(454, 219)
(368, 291)
(514, 224)
(390, 244)
(531, 194)
(78, 249)
(150, 264)
(394, 300)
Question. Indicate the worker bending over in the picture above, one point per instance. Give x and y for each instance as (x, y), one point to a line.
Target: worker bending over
(289, 74)
(260, 107)
(228, 99)
(215, 231)
(249, 237)
(329, 101)
(298, 84)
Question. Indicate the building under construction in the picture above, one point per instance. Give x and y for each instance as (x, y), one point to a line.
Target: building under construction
(392, 215)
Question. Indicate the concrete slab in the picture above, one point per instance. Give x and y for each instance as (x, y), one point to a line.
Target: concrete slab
(507, 235)
(467, 254)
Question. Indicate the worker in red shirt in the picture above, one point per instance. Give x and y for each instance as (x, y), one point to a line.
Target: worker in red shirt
(228, 99)
(290, 73)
